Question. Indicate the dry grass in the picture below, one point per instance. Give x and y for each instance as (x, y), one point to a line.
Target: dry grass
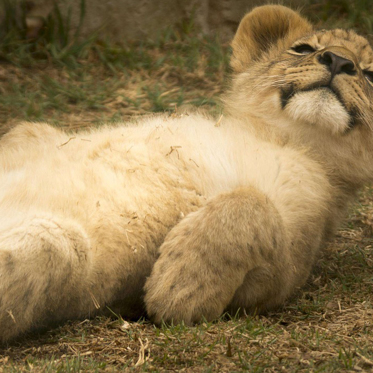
(74, 102)
(114, 83)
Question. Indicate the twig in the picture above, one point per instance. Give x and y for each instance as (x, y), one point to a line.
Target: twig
(71, 138)
(194, 162)
(10, 313)
(217, 124)
(174, 148)
(365, 359)
(141, 360)
(95, 302)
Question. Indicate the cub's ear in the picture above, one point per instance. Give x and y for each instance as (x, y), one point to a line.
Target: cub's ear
(263, 27)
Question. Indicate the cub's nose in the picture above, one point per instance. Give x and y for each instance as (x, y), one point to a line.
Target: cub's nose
(337, 64)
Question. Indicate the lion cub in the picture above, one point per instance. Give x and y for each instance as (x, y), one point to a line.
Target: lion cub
(179, 216)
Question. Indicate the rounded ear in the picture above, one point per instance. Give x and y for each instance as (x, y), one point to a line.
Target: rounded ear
(262, 28)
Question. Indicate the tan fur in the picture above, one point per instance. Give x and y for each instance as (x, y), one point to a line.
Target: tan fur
(179, 216)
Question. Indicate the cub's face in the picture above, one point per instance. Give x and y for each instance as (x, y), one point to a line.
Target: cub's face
(314, 88)
(327, 80)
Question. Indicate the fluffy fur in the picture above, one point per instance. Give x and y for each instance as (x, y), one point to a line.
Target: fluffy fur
(179, 216)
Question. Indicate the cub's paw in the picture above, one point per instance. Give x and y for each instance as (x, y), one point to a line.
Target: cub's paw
(189, 281)
(206, 257)
(179, 290)
(197, 272)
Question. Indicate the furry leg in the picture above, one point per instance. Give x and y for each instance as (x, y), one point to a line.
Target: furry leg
(43, 274)
(205, 258)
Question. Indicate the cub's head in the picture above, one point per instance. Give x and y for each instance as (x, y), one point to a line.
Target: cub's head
(315, 87)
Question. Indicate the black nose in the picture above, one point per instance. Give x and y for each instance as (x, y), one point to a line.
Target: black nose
(337, 64)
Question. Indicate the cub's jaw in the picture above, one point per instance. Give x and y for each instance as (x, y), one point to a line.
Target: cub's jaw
(319, 107)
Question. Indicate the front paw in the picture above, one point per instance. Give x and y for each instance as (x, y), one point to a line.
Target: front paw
(196, 274)
(206, 257)
(178, 290)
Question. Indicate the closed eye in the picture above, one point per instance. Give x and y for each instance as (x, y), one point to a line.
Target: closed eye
(303, 49)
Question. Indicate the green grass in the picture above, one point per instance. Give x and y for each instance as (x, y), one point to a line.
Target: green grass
(68, 365)
(60, 78)
(343, 13)
(55, 42)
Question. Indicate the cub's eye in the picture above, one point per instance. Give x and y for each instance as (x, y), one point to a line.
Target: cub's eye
(303, 49)
(368, 75)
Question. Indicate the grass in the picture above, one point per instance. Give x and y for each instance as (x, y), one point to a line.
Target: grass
(107, 88)
(343, 13)
(326, 327)
(70, 82)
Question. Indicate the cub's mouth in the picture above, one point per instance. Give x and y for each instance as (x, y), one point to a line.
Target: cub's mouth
(318, 105)
(288, 93)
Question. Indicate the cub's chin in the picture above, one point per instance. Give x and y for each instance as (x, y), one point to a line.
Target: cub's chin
(321, 108)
